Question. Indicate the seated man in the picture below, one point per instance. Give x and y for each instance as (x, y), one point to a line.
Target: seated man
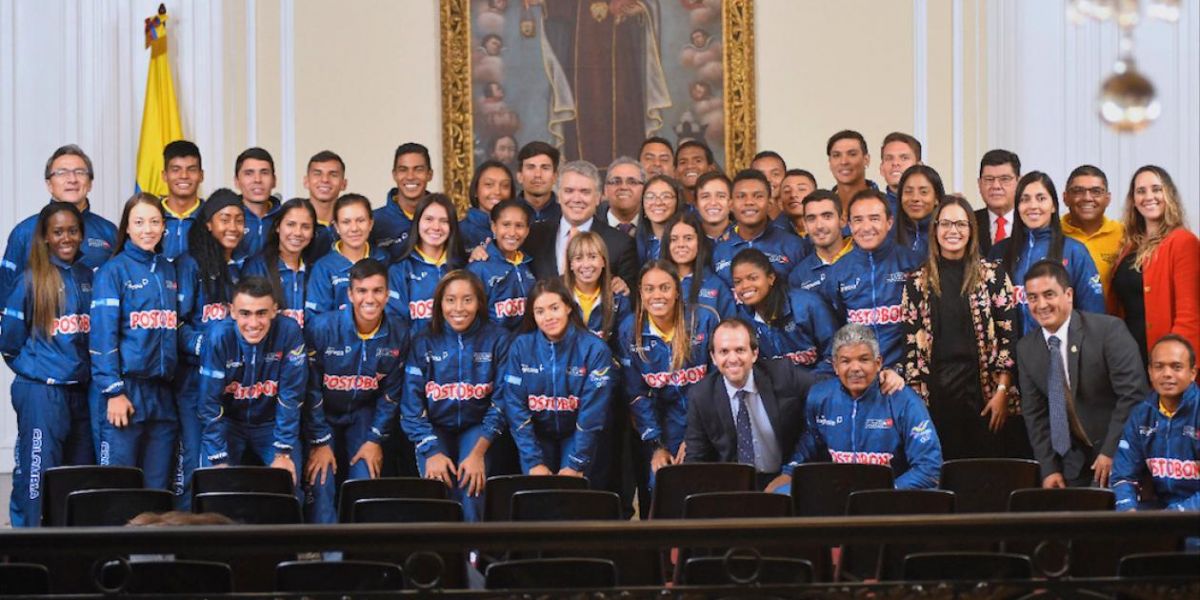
(849, 420)
(252, 383)
(745, 412)
(1160, 442)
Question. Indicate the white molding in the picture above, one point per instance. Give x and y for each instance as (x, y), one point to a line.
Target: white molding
(921, 73)
(216, 95)
(251, 73)
(287, 75)
(956, 108)
(8, 189)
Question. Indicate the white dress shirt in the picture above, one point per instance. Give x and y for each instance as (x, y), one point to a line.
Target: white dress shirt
(560, 244)
(613, 221)
(766, 447)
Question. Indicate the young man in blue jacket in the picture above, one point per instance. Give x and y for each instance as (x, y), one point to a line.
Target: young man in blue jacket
(356, 377)
(849, 420)
(252, 382)
(1162, 435)
(412, 171)
(751, 195)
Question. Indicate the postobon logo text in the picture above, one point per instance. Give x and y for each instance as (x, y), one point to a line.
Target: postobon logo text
(540, 403)
(153, 319)
(294, 314)
(878, 315)
(215, 311)
(457, 391)
(513, 307)
(803, 357)
(346, 383)
(862, 458)
(254, 391)
(69, 324)
(1173, 468)
(680, 377)
(420, 309)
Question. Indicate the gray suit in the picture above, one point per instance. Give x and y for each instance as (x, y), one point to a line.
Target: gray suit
(1107, 379)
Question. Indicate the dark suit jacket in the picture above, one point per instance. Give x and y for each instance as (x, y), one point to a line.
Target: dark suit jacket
(622, 252)
(1107, 380)
(711, 433)
(984, 227)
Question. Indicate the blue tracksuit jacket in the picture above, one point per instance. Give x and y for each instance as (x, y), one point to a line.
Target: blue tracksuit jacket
(1166, 448)
(507, 286)
(893, 430)
(475, 228)
(324, 236)
(391, 227)
(256, 230)
(555, 390)
(411, 283)
(243, 384)
(804, 339)
(810, 274)
(62, 357)
(292, 283)
(1085, 280)
(175, 238)
(348, 372)
(658, 395)
(918, 237)
(329, 281)
(622, 306)
(867, 288)
(551, 212)
(713, 293)
(783, 249)
(196, 309)
(99, 243)
(450, 385)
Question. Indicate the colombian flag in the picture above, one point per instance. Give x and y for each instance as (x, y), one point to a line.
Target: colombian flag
(160, 116)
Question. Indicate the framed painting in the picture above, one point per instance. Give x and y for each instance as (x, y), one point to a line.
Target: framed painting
(593, 78)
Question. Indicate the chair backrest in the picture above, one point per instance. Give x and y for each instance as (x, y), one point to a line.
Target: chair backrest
(674, 483)
(354, 490)
(900, 502)
(59, 482)
(1061, 499)
(736, 505)
(714, 570)
(551, 573)
(338, 576)
(1160, 564)
(821, 489)
(114, 508)
(21, 579)
(241, 479)
(565, 505)
(498, 500)
(168, 577)
(407, 510)
(983, 484)
(966, 566)
(251, 508)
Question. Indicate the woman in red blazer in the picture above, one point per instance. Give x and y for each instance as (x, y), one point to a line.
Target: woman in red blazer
(1156, 283)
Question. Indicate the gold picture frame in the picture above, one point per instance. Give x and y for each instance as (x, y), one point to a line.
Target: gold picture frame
(458, 126)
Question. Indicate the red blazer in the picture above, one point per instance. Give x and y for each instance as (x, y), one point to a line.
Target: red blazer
(1171, 288)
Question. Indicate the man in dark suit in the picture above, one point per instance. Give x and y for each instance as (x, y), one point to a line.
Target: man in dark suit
(998, 174)
(622, 204)
(579, 195)
(769, 397)
(1080, 374)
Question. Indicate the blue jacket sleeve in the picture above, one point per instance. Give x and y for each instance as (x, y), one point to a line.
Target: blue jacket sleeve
(725, 304)
(191, 337)
(1085, 279)
(641, 404)
(387, 405)
(397, 305)
(211, 406)
(318, 295)
(593, 407)
(493, 419)
(1191, 503)
(1129, 464)
(414, 417)
(516, 407)
(16, 255)
(13, 328)
(293, 377)
(105, 337)
(315, 427)
(921, 444)
(811, 445)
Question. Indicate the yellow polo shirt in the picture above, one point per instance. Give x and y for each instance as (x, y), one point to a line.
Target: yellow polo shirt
(1104, 245)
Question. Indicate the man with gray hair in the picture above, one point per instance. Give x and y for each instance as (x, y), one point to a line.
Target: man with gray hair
(621, 208)
(579, 196)
(849, 420)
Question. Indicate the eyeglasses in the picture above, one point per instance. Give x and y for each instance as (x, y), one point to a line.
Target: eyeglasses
(629, 181)
(663, 197)
(1094, 192)
(79, 173)
(961, 225)
(1005, 180)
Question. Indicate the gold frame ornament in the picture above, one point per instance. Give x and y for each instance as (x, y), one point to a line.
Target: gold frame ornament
(458, 164)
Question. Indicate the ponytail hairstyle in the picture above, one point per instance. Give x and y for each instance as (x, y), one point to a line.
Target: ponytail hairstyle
(270, 249)
(681, 339)
(552, 285)
(773, 308)
(45, 297)
(1020, 233)
(123, 229)
(437, 324)
(586, 241)
(703, 250)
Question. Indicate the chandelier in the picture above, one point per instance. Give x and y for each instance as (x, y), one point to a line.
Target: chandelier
(1127, 101)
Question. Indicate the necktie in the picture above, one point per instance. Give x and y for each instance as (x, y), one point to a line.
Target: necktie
(562, 265)
(1060, 427)
(745, 436)
(625, 228)
(1000, 235)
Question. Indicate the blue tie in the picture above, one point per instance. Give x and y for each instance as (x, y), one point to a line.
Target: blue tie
(745, 436)
(1060, 427)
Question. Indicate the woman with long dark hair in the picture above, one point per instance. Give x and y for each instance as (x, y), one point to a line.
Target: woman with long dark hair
(662, 198)
(492, 184)
(44, 340)
(797, 324)
(690, 251)
(921, 191)
(1036, 235)
(960, 333)
(433, 248)
(285, 257)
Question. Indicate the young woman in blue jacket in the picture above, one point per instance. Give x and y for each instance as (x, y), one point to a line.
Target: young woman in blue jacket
(492, 184)
(449, 408)
(662, 198)
(134, 347)
(691, 253)
(330, 276)
(44, 340)
(433, 248)
(555, 383)
(797, 325)
(506, 273)
(284, 260)
(589, 277)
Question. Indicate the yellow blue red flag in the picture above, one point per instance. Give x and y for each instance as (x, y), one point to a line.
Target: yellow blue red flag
(160, 116)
